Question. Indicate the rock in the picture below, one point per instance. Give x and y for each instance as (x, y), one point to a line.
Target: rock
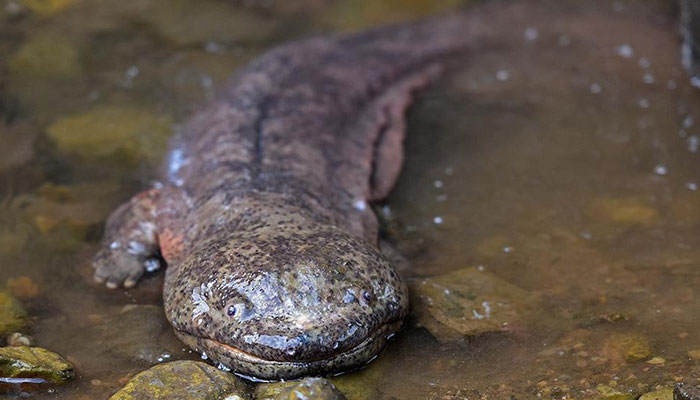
(629, 211)
(34, 362)
(308, 388)
(468, 302)
(686, 392)
(628, 347)
(619, 396)
(12, 315)
(357, 14)
(661, 394)
(366, 383)
(610, 393)
(186, 23)
(48, 7)
(139, 336)
(656, 361)
(694, 354)
(21, 149)
(23, 287)
(17, 339)
(123, 134)
(65, 215)
(183, 380)
(46, 56)
(266, 391)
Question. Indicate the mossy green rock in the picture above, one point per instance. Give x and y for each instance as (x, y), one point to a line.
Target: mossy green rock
(129, 135)
(46, 56)
(661, 394)
(183, 380)
(34, 362)
(12, 316)
(306, 389)
(468, 302)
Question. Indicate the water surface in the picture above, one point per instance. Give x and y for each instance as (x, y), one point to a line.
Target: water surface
(559, 160)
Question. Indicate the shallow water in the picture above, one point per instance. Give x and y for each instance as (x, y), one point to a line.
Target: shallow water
(559, 157)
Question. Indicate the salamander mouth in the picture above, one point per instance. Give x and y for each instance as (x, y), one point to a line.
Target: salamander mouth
(255, 367)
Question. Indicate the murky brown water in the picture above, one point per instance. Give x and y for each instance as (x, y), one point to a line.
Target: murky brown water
(560, 158)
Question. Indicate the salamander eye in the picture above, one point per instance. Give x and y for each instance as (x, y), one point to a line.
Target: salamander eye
(239, 311)
(233, 310)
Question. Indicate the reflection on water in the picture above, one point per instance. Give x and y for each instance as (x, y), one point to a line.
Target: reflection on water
(552, 173)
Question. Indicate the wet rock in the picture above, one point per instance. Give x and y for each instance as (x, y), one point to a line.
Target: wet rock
(183, 380)
(139, 336)
(23, 287)
(21, 149)
(122, 134)
(630, 211)
(65, 215)
(468, 302)
(34, 362)
(661, 394)
(683, 391)
(308, 388)
(356, 14)
(628, 347)
(363, 384)
(48, 7)
(46, 56)
(694, 354)
(12, 315)
(188, 23)
(656, 360)
(17, 339)
(611, 393)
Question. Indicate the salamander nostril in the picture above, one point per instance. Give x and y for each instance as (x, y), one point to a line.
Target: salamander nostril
(367, 296)
(291, 350)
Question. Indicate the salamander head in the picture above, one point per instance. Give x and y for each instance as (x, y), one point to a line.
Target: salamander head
(282, 303)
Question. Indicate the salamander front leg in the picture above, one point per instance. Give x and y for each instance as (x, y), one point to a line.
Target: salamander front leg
(130, 245)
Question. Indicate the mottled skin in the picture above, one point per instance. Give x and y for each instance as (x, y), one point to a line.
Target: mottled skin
(273, 266)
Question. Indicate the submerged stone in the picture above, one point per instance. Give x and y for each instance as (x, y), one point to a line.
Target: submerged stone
(661, 394)
(140, 336)
(183, 380)
(628, 347)
(127, 135)
(46, 56)
(355, 14)
(306, 389)
(34, 362)
(12, 315)
(64, 215)
(48, 7)
(23, 287)
(623, 211)
(17, 339)
(468, 302)
(188, 23)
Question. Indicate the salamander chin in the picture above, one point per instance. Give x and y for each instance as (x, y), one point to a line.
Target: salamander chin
(250, 365)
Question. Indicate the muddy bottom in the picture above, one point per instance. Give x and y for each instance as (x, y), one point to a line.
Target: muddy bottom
(549, 206)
